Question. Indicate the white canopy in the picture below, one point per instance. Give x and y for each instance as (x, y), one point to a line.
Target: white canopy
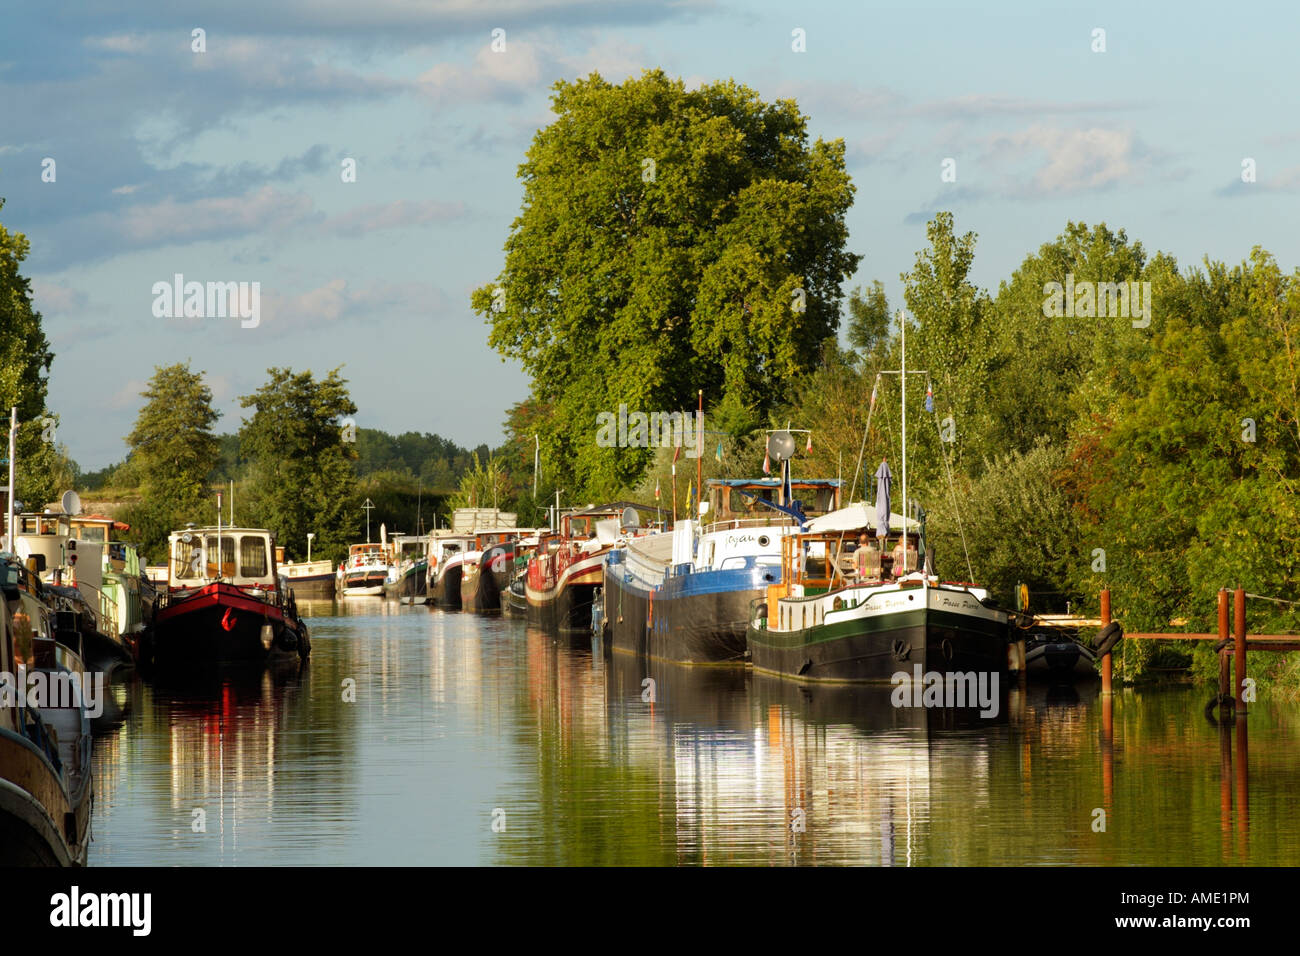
(858, 516)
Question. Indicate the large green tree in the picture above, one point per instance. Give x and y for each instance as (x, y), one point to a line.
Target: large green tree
(670, 240)
(301, 453)
(171, 452)
(1049, 370)
(25, 360)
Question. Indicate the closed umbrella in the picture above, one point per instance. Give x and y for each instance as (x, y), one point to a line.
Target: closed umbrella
(884, 480)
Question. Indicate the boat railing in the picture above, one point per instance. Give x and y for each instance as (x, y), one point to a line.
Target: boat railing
(102, 606)
(736, 524)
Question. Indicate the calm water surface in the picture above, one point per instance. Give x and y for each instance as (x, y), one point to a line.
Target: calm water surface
(461, 724)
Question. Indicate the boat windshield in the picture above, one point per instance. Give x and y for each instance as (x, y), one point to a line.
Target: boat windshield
(205, 558)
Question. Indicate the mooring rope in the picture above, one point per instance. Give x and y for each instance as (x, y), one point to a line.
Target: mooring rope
(1275, 600)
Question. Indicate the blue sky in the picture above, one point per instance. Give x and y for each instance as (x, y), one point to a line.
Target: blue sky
(225, 165)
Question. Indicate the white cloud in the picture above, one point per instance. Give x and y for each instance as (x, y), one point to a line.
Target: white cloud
(170, 220)
(118, 43)
(1072, 160)
(329, 306)
(56, 298)
(511, 74)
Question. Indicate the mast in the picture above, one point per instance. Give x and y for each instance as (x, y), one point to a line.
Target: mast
(218, 536)
(902, 323)
(13, 453)
(699, 458)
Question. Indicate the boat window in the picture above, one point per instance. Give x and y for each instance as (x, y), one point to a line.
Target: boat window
(226, 568)
(815, 561)
(741, 504)
(90, 533)
(577, 526)
(187, 559)
(818, 500)
(252, 556)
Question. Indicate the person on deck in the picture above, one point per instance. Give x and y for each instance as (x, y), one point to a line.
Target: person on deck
(867, 568)
(900, 567)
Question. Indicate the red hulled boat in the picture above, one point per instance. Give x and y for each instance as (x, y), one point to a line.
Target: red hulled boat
(224, 602)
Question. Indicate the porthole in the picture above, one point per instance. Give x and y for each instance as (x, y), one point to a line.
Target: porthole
(764, 541)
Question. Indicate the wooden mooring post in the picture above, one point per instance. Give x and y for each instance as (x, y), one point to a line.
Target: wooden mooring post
(1239, 650)
(1225, 676)
(1105, 658)
(1237, 641)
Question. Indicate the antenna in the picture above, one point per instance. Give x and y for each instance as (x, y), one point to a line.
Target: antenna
(781, 445)
(71, 503)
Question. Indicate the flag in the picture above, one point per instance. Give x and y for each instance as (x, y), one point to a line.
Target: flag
(677, 450)
(718, 454)
(809, 448)
(656, 489)
(929, 398)
(767, 464)
(873, 392)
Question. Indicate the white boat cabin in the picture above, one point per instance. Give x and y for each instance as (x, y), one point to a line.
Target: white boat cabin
(244, 557)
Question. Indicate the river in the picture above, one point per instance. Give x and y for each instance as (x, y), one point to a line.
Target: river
(419, 736)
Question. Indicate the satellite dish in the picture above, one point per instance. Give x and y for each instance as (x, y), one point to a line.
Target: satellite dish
(780, 445)
(630, 518)
(71, 503)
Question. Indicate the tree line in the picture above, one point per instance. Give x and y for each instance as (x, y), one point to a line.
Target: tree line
(1105, 417)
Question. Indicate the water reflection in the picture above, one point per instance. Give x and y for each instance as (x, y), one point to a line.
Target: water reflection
(419, 736)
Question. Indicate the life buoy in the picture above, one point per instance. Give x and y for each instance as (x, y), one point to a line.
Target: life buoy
(1110, 635)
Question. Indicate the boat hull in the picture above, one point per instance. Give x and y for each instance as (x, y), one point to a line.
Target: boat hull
(872, 649)
(1060, 661)
(566, 603)
(514, 602)
(364, 582)
(412, 584)
(478, 589)
(41, 824)
(312, 585)
(696, 618)
(446, 590)
(219, 624)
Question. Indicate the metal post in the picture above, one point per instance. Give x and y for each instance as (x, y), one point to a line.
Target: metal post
(699, 457)
(1105, 658)
(902, 331)
(13, 453)
(1239, 649)
(218, 536)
